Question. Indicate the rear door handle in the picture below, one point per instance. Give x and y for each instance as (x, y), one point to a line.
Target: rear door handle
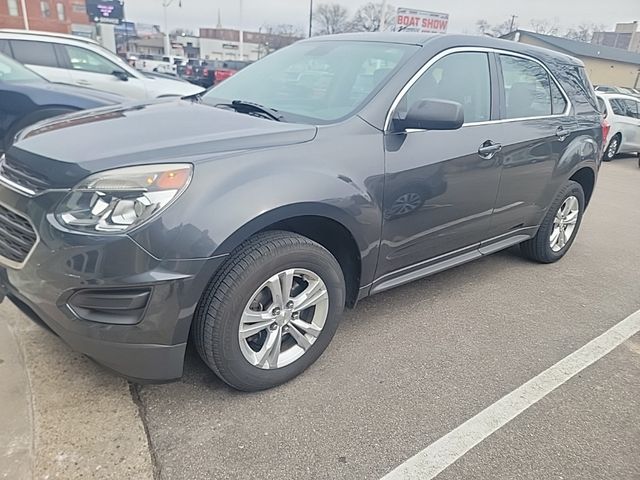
(562, 134)
(489, 149)
(83, 82)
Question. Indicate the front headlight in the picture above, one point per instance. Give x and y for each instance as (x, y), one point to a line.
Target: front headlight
(118, 200)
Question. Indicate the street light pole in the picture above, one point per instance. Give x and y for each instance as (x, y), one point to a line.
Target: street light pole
(167, 40)
(25, 17)
(310, 18)
(241, 33)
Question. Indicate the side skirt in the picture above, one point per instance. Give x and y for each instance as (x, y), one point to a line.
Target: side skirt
(450, 260)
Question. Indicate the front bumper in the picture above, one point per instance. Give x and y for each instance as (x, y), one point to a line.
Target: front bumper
(149, 348)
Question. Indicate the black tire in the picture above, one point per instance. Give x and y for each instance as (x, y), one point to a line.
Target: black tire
(610, 153)
(30, 119)
(539, 248)
(217, 318)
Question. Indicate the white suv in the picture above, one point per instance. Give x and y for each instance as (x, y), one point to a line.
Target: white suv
(80, 61)
(623, 114)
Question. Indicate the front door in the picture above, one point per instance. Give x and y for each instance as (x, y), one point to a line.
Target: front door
(440, 188)
(89, 69)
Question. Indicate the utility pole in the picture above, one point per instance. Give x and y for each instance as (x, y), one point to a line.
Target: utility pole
(513, 23)
(310, 18)
(25, 17)
(241, 34)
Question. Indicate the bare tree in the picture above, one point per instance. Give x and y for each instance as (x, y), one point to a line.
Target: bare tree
(483, 27)
(331, 18)
(276, 37)
(498, 30)
(545, 27)
(583, 32)
(369, 17)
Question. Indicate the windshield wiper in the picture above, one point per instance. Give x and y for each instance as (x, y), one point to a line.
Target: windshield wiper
(242, 106)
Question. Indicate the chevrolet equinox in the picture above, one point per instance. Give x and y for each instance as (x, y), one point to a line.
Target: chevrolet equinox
(246, 219)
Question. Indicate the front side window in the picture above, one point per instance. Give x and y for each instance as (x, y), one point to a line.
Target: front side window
(34, 53)
(449, 79)
(88, 61)
(45, 9)
(618, 107)
(527, 88)
(12, 6)
(314, 82)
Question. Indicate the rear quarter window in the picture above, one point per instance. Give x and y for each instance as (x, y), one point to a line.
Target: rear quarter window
(576, 83)
(5, 48)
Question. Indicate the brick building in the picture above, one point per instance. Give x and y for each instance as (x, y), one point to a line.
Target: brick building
(61, 16)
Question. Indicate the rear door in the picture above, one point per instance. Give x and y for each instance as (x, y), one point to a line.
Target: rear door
(536, 130)
(41, 57)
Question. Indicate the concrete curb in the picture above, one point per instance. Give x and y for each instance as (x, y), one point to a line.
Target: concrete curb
(85, 422)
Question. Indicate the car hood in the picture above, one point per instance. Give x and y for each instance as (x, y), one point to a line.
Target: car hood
(165, 86)
(70, 147)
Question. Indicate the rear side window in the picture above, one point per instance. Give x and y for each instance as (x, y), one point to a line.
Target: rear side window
(576, 83)
(631, 108)
(559, 103)
(448, 79)
(527, 89)
(34, 53)
(5, 48)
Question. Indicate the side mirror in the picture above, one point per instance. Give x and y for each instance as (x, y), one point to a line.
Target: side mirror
(433, 114)
(120, 75)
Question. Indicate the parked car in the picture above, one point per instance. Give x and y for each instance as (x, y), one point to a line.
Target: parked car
(27, 98)
(248, 220)
(621, 90)
(81, 61)
(623, 114)
(207, 73)
(159, 64)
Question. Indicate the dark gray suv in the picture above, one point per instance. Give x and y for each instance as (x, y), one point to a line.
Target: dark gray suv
(244, 221)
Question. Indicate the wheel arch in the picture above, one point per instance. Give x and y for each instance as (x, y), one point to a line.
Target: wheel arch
(327, 225)
(586, 177)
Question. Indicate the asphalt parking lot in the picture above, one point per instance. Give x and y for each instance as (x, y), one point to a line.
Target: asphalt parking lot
(410, 365)
(407, 368)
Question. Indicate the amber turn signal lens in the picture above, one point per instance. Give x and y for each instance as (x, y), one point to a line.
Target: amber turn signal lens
(173, 180)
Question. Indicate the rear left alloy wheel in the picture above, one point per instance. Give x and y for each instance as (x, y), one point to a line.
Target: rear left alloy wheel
(559, 226)
(270, 312)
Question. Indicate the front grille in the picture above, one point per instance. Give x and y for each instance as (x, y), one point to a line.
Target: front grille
(22, 176)
(17, 237)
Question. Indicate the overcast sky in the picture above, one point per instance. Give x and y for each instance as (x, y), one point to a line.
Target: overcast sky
(463, 13)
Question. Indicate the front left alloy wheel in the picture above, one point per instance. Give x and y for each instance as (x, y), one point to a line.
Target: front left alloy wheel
(270, 312)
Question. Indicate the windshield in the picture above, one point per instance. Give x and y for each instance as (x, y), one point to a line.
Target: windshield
(12, 71)
(314, 82)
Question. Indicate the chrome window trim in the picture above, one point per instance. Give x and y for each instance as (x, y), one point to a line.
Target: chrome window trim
(7, 262)
(412, 81)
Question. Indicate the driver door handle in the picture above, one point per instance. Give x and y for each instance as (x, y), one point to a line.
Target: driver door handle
(489, 149)
(83, 82)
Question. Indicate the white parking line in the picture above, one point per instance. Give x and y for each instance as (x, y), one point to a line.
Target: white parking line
(445, 451)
